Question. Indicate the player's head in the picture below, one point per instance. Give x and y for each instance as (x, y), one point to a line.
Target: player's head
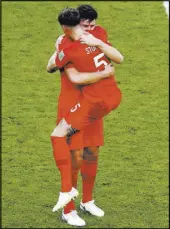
(68, 19)
(88, 16)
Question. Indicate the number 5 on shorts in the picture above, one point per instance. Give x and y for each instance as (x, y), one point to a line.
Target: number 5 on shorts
(75, 107)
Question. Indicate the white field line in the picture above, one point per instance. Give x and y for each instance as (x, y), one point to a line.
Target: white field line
(166, 5)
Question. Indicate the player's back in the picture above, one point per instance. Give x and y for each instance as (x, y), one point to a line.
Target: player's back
(92, 59)
(64, 42)
(69, 92)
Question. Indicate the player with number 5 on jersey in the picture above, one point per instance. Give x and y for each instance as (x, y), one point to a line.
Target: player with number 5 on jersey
(96, 100)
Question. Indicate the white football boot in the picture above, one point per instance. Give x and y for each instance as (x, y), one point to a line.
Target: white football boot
(72, 218)
(65, 198)
(91, 208)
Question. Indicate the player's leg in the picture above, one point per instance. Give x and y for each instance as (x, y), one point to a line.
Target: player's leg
(93, 136)
(63, 161)
(69, 214)
(88, 173)
(75, 144)
(77, 159)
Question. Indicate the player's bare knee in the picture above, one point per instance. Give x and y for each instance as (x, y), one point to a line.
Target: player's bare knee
(77, 158)
(91, 153)
(78, 162)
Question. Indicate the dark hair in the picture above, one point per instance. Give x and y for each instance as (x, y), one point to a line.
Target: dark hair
(69, 17)
(87, 12)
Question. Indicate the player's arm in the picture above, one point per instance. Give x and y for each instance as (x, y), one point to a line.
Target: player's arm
(51, 66)
(83, 78)
(57, 60)
(111, 52)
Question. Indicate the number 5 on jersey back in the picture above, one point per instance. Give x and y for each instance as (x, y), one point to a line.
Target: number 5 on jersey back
(99, 62)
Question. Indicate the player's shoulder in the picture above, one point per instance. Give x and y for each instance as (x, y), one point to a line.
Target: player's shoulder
(73, 45)
(68, 49)
(62, 41)
(99, 29)
(100, 33)
(59, 40)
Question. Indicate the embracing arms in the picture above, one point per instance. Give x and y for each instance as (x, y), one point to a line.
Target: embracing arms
(80, 78)
(83, 78)
(51, 66)
(111, 52)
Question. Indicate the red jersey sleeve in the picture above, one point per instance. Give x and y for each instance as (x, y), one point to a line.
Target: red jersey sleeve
(101, 34)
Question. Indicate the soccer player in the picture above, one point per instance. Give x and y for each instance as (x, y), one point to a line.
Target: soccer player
(92, 105)
(93, 134)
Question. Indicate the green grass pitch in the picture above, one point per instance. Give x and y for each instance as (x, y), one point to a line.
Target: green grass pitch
(132, 180)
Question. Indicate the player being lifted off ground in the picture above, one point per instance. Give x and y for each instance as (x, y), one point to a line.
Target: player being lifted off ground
(92, 105)
(93, 133)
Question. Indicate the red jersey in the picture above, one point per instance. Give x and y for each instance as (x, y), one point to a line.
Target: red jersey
(64, 42)
(88, 59)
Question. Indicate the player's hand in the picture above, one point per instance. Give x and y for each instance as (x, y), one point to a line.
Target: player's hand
(89, 39)
(109, 70)
(51, 66)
